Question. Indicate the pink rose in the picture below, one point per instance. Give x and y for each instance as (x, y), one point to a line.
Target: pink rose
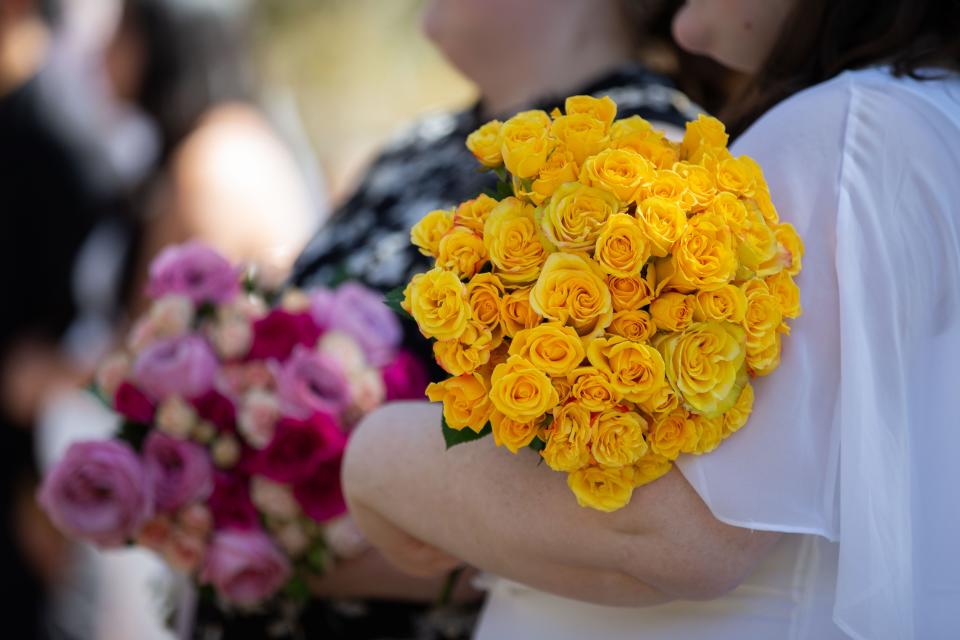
(245, 567)
(111, 373)
(196, 518)
(276, 335)
(196, 271)
(180, 470)
(405, 377)
(258, 416)
(230, 502)
(299, 447)
(133, 404)
(184, 366)
(361, 313)
(237, 379)
(321, 495)
(311, 381)
(217, 409)
(155, 533)
(99, 491)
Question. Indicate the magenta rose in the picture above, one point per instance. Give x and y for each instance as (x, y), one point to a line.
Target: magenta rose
(179, 470)
(311, 381)
(361, 313)
(133, 404)
(405, 377)
(276, 334)
(298, 447)
(196, 271)
(230, 502)
(99, 492)
(217, 409)
(244, 567)
(183, 366)
(321, 495)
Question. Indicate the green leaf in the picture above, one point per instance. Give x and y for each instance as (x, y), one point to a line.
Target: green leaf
(317, 558)
(454, 437)
(393, 299)
(297, 590)
(133, 433)
(537, 444)
(501, 172)
(97, 392)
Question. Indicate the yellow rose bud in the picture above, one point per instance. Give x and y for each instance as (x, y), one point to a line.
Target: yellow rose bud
(739, 413)
(485, 142)
(622, 247)
(521, 391)
(704, 257)
(462, 251)
(668, 184)
(762, 322)
(704, 132)
(663, 401)
(649, 468)
(510, 235)
(517, 312)
(603, 109)
(663, 222)
(711, 433)
(633, 324)
(437, 300)
(622, 172)
(571, 290)
(632, 292)
(672, 311)
(552, 347)
(673, 433)
(526, 143)
(636, 370)
(705, 365)
(602, 488)
(472, 214)
(630, 127)
(787, 293)
(592, 389)
(790, 240)
(573, 218)
(466, 404)
(765, 204)
(726, 304)
(484, 295)
(567, 438)
(581, 134)
(512, 434)
(736, 177)
(426, 234)
(466, 354)
(561, 168)
(617, 438)
(700, 182)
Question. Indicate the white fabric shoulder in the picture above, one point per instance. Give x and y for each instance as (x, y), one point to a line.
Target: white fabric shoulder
(854, 438)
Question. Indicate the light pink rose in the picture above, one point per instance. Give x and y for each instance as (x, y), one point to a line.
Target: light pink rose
(183, 366)
(176, 417)
(184, 551)
(259, 412)
(367, 393)
(345, 350)
(231, 337)
(196, 518)
(225, 451)
(155, 533)
(295, 301)
(245, 567)
(171, 315)
(111, 373)
(274, 499)
(293, 538)
(344, 538)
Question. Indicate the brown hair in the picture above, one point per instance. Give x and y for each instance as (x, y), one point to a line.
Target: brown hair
(822, 38)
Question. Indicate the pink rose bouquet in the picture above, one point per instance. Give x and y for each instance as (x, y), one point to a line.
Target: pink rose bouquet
(236, 408)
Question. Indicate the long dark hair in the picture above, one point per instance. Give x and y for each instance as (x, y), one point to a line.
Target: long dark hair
(822, 38)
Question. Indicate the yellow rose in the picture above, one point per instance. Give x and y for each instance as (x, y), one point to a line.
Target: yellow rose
(704, 132)
(512, 434)
(462, 251)
(630, 127)
(426, 234)
(763, 354)
(757, 245)
(633, 324)
(668, 184)
(484, 295)
(663, 401)
(573, 218)
(705, 365)
(581, 134)
(726, 304)
(765, 204)
(437, 300)
(517, 314)
(592, 389)
(632, 292)
(510, 236)
(603, 109)
(567, 438)
(790, 240)
(661, 153)
(711, 433)
(673, 433)
(787, 293)
(731, 209)
(485, 142)
(561, 167)
(466, 354)
(552, 347)
(672, 311)
(739, 413)
(564, 389)
(571, 290)
(622, 248)
(617, 438)
(602, 488)
(521, 391)
(663, 222)
(704, 257)
(700, 182)
(622, 172)
(472, 214)
(761, 322)
(526, 143)
(649, 468)
(635, 369)
(735, 176)
(466, 404)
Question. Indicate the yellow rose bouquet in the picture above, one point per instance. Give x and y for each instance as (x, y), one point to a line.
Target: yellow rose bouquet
(610, 304)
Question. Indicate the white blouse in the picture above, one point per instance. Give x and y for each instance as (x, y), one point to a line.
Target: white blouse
(853, 443)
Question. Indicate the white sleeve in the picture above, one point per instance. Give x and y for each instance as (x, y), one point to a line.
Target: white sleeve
(854, 437)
